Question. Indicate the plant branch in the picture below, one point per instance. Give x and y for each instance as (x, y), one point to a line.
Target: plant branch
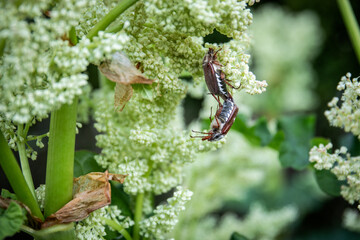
(110, 17)
(60, 159)
(138, 215)
(117, 227)
(351, 25)
(24, 160)
(17, 181)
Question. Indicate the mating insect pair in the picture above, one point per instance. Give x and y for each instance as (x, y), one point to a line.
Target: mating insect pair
(216, 83)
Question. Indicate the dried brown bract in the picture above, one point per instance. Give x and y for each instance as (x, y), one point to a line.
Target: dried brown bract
(120, 70)
(90, 192)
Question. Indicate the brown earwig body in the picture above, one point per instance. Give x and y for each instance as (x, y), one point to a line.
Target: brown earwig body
(223, 120)
(214, 77)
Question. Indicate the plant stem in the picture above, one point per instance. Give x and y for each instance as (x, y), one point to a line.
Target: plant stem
(17, 181)
(117, 227)
(60, 159)
(24, 160)
(351, 25)
(2, 46)
(56, 232)
(110, 17)
(138, 215)
(115, 29)
(72, 36)
(32, 138)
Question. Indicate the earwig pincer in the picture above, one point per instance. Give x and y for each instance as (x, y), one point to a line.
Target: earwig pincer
(214, 77)
(223, 120)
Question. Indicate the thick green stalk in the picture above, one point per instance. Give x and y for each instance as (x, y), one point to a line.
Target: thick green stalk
(138, 215)
(351, 25)
(60, 158)
(17, 181)
(117, 227)
(24, 160)
(57, 232)
(110, 17)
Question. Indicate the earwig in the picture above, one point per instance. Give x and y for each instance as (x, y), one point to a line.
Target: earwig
(214, 77)
(223, 120)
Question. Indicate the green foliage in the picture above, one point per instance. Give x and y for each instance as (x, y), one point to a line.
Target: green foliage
(237, 236)
(85, 163)
(328, 182)
(257, 134)
(7, 194)
(120, 199)
(11, 220)
(298, 132)
(316, 141)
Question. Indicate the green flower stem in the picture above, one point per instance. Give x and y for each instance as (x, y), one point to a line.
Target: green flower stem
(110, 17)
(117, 227)
(32, 138)
(56, 232)
(138, 215)
(351, 25)
(139, 206)
(24, 160)
(17, 181)
(115, 29)
(60, 159)
(72, 36)
(2, 46)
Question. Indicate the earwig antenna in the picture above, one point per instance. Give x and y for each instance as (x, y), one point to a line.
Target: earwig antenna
(201, 132)
(217, 51)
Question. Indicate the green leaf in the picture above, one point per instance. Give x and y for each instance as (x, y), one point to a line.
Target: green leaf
(261, 130)
(298, 132)
(328, 182)
(277, 140)
(319, 140)
(120, 199)
(258, 134)
(85, 163)
(110, 234)
(11, 220)
(145, 90)
(237, 236)
(6, 194)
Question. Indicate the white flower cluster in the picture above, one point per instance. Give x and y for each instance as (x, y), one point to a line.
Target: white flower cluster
(236, 67)
(94, 11)
(351, 220)
(165, 216)
(343, 166)
(93, 227)
(346, 116)
(38, 67)
(264, 225)
(40, 196)
(145, 146)
(199, 17)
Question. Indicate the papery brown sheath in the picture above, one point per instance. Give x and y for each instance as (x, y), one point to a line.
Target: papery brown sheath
(120, 70)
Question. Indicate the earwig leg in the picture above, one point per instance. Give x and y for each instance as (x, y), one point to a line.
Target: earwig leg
(217, 99)
(210, 114)
(200, 132)
(227, 82)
